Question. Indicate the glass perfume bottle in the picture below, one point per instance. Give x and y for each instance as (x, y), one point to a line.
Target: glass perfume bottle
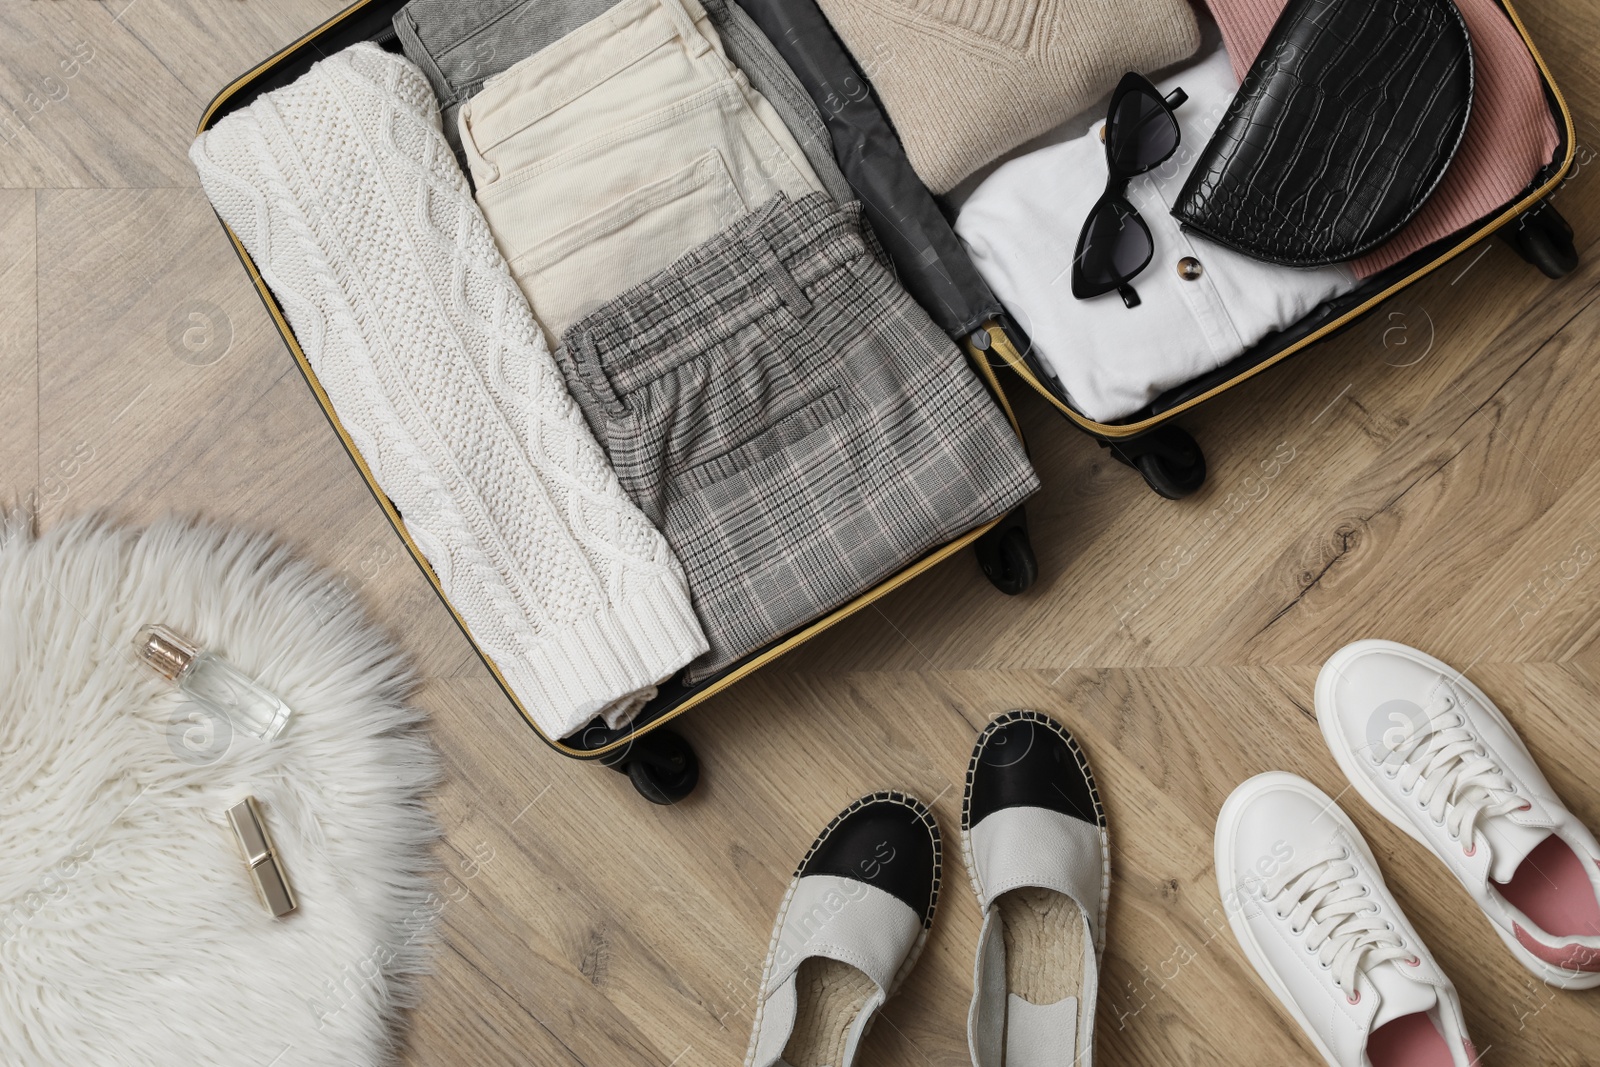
(212, 681)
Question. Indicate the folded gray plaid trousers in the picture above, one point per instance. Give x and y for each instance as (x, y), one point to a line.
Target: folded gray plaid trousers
(791, 420)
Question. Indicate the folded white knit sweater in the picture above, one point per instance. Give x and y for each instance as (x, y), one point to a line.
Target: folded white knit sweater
(353, 208)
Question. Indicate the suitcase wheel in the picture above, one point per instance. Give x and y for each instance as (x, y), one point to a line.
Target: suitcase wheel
(1542, 237)
(661, 766)
(1168, 459)
(1006, 555)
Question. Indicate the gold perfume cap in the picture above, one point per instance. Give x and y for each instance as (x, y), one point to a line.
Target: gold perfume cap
(164, 651)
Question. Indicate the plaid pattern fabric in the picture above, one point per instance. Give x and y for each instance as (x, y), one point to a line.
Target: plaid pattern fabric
(791, 420)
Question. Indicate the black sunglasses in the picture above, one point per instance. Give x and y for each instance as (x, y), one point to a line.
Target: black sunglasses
(1115, 244)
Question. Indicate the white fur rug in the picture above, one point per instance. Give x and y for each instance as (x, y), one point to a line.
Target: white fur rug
(129, 931)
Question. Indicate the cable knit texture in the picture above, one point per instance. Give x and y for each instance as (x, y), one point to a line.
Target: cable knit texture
(1510, 134)
(345, 194)
(966, 81)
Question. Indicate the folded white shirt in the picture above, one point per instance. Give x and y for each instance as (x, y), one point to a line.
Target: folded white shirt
(1021, 226)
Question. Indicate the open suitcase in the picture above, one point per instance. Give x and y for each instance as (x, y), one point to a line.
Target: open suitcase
(932, 264)
(660, 763)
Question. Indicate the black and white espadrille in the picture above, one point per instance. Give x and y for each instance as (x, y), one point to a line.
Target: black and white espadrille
(850, 928)
(1033, 835)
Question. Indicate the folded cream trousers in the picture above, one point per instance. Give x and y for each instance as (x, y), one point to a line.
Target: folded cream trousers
(601, 159)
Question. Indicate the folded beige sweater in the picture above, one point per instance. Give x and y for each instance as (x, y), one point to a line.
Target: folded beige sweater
(966, 81)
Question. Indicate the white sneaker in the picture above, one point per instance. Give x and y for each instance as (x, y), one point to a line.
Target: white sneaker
(1434, 755)
(1305, 899)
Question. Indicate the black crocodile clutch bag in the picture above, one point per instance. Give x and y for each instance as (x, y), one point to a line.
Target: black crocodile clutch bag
(1342, 128)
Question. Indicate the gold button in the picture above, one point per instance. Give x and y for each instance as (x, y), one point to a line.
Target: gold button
(1189, 268)
(1102, 133)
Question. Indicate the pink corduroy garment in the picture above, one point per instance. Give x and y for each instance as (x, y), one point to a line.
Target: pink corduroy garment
(1509, 137)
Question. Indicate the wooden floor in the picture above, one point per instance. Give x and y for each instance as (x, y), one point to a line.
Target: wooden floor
(1432, 476)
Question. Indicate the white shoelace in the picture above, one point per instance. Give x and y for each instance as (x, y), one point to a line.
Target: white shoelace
(1325, 901)
(1449, 772)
